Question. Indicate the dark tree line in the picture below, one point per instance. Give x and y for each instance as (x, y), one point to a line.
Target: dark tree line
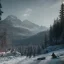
(56, 33)
(30, 50)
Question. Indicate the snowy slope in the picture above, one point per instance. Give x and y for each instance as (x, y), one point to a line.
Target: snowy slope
(33, 60)
(11, 60)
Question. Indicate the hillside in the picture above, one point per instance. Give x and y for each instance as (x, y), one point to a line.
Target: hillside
(35, 39)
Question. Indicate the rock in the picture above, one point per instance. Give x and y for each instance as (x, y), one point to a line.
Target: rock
(42, 58)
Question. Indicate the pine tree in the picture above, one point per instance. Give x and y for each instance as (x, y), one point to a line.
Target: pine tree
(45, 41)
(62, 14)
(51, 36)
(62, 20)
(0, 10)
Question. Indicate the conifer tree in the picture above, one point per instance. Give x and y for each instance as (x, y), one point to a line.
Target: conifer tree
(0, 10)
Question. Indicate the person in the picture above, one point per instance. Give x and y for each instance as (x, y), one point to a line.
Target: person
(53, 55)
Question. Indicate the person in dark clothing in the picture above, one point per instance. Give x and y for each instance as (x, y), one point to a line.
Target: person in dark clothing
(53, 55)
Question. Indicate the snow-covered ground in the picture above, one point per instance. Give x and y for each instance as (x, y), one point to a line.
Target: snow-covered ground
(33, 60)
(11, 60)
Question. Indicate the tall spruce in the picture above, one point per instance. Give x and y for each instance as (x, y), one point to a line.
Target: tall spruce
(0, 10)
(45, 41)
(62, 20)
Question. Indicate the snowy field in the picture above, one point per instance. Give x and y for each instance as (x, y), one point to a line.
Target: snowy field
(33, 60)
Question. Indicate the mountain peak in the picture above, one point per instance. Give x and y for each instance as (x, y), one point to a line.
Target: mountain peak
(13, 20)
(11, 17)
(30, 23)
(27, 21)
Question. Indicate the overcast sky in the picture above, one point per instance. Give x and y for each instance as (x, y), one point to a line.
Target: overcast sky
(41, 12)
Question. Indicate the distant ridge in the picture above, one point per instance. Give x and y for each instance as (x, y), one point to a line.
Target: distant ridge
(19, 30)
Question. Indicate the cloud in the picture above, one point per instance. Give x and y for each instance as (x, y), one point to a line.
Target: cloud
(27, 12)
(25, 15)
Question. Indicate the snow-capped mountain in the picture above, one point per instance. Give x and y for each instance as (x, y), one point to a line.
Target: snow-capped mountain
(16, 29)
(33, 27)
(10, 26)
(25, 24)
